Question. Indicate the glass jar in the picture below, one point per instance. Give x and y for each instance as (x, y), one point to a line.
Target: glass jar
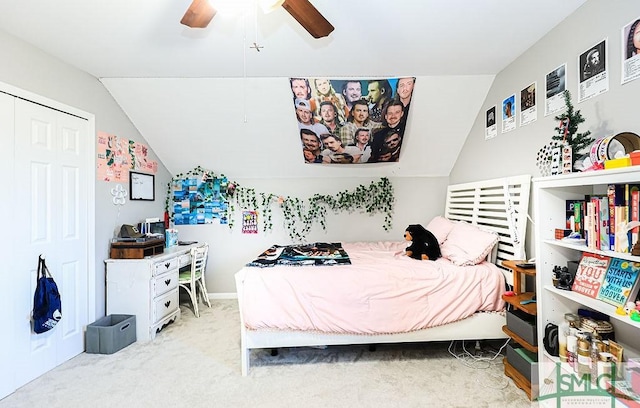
(584, 357)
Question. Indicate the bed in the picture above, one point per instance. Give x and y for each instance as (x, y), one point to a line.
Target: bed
(284, 306)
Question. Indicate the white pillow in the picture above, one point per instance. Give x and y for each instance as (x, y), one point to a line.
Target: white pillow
(440, 227)
(467, 244)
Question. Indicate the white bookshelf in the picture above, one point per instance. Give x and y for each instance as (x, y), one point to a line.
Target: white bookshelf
(549, 200)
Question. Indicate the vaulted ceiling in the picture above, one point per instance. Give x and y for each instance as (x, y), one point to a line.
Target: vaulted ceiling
(144, 39)
(134, 46)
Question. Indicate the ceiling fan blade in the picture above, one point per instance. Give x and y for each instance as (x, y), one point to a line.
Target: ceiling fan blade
(199, 14)
(309, 17)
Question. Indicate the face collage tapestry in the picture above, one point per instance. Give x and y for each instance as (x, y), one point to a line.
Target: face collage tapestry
(351, 121)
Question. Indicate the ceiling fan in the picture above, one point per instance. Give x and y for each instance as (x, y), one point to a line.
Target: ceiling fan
(200, 13)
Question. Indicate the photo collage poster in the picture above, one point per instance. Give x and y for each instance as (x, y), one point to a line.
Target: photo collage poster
(200, 200)
(351, 121)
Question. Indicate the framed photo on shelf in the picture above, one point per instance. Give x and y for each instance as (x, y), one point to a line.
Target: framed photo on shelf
(142, 186)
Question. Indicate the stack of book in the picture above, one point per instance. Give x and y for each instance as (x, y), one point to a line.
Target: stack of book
(602, 219)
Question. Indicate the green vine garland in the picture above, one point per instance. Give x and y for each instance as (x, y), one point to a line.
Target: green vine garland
(300, 215)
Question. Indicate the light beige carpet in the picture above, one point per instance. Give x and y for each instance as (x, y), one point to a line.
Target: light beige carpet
(196, 363)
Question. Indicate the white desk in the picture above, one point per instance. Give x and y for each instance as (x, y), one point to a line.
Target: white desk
(147, 288)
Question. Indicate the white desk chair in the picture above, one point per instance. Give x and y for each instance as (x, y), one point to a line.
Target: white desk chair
(192, 278)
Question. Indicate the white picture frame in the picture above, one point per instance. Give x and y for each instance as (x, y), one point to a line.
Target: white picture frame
(142, 186)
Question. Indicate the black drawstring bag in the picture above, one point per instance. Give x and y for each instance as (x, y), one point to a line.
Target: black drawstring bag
(47, 307)
(550, 340)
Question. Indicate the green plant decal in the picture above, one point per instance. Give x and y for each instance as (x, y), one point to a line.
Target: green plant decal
(300, 215)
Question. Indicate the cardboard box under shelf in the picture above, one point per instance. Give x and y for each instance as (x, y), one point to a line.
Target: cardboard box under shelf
(136, 250)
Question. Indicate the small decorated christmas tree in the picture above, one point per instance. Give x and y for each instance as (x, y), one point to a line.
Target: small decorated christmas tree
(567, 129)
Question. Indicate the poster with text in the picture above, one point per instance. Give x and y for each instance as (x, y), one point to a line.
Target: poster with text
(555, 85)
(491, 129)
(249, 222)
(594, 76)
(116, 155)
(631, 51)
(528, 106)
(351, 121)
(509, 112)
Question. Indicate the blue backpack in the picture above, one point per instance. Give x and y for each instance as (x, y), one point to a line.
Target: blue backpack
(47, 307)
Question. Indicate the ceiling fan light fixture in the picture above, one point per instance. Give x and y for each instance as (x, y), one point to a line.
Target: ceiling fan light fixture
(268, 6)
(199, 14)
(309, 17)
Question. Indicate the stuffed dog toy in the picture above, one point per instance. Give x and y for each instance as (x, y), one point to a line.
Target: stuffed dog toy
(424, 245)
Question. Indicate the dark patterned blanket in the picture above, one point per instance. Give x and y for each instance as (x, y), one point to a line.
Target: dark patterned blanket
(318, 254)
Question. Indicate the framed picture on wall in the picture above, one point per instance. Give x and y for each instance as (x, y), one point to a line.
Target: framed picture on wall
(142, 186)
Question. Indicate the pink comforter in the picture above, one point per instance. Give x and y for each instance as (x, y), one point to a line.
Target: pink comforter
(379, 293)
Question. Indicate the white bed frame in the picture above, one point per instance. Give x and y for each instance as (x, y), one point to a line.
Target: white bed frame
(500, 205)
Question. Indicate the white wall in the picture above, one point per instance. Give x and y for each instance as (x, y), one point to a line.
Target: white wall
(26, 67)
(608, 114)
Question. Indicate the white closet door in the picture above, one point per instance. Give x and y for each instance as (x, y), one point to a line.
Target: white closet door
(7, 271)
(50, 212)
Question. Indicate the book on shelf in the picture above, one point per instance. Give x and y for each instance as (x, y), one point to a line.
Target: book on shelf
(620, 282)
(592, 223)
(604, 223)
(590, 274)
(634, 213)
(595, 239)
(616, 194)
(599, 216)
(577, 218)
(572, 220)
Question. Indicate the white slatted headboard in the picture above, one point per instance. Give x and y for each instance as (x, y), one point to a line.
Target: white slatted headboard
(499, 205)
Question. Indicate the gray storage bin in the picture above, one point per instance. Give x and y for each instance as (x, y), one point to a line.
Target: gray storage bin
(524, 361)
(524, 325)
(110, 334)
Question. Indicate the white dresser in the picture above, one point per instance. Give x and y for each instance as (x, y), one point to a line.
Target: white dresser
(147, 288)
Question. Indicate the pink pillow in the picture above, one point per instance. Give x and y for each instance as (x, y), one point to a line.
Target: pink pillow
(467, 244)
(440, 227)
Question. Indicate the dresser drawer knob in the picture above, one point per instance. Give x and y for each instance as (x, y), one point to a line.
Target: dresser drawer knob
(167, 303)
(167, 265)
(167, 282)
